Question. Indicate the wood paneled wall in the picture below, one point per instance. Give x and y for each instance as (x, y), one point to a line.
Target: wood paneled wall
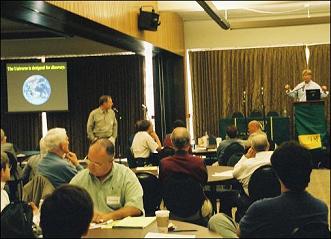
(123, 16)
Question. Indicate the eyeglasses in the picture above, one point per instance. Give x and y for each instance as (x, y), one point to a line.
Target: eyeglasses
(88, 161)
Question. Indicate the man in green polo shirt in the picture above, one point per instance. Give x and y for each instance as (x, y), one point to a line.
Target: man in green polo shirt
(114, 188)
(102, 122)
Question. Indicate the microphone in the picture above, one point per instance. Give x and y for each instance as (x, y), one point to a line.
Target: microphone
(114, 109)
(144, 107)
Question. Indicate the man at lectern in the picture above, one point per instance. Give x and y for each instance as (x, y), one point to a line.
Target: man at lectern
(299, 92)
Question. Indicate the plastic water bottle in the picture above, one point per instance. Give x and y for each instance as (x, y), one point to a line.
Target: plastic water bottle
(206, 139)
(284, 113)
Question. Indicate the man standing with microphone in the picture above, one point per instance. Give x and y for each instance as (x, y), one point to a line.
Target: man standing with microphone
(299, 92)
(102, 122)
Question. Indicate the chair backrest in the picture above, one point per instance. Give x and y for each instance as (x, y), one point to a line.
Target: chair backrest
(152, 192)
(165, 152)
(237, 114)
(182, 194)
(38, 188)
(14, 184)
(233, 160)
(255, 113)
(131, 161)
(272, 114)
(311, 230)
(263, 184)
(230, 150)
(13, 163)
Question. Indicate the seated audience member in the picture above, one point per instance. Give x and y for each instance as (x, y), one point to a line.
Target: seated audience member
(67, 212)
(256, 157)
(231, 137)
(167, 143)
(114, 188)
(59, 165)
(5, 146)
(184, 163)
(5, 176)
(144, 143)
(255, 127)
(30, 169)
(279, 216)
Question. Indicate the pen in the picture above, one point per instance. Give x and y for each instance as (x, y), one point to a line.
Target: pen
(191, 230)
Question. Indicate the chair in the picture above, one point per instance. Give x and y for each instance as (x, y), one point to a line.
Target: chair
(15, 191)
(272, 114)
(255, 113)
(152, 192)
(234, 159)
(38, 188)
(262, 184)
(311, 230)
(165, 152)
(131, 161)
(230, 150)
(183, 196)
(237, 114)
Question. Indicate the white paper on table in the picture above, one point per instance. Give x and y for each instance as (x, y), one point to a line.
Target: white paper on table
(167, 235)
(228, 173)
(100, 225)
(147, 168)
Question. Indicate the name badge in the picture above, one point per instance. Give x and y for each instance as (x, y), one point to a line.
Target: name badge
(113, 200)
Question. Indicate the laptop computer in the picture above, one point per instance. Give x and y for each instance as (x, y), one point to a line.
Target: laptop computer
(314, 94)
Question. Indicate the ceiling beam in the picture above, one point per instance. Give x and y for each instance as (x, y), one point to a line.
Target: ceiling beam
(208, 6)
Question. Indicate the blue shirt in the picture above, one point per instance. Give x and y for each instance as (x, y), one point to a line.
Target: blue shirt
(277, 217)
(57, 170)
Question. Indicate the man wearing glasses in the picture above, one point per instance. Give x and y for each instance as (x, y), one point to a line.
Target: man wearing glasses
(114, 188)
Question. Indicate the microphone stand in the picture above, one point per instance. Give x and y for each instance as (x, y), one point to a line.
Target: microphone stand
(263, 108)
(245, 112)
(297, 92)
(119, 127)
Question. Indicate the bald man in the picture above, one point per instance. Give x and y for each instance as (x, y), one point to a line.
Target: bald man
(254, 126)
(114, 188)
(185, 163)
(257, 156)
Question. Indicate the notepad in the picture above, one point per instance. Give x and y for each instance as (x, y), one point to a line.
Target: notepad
(228, 173)
(134, 222)
(146, 168)
(169, 235)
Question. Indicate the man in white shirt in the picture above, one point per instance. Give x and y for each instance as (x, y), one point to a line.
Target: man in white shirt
(256, 157)
(299, 92)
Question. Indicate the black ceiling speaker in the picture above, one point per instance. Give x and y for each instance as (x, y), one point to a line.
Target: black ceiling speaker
(148, 20)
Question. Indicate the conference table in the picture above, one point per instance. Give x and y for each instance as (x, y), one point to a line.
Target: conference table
(204, 152)
(217, 175)
(199, 231)
(24, 155)
(209, 155)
